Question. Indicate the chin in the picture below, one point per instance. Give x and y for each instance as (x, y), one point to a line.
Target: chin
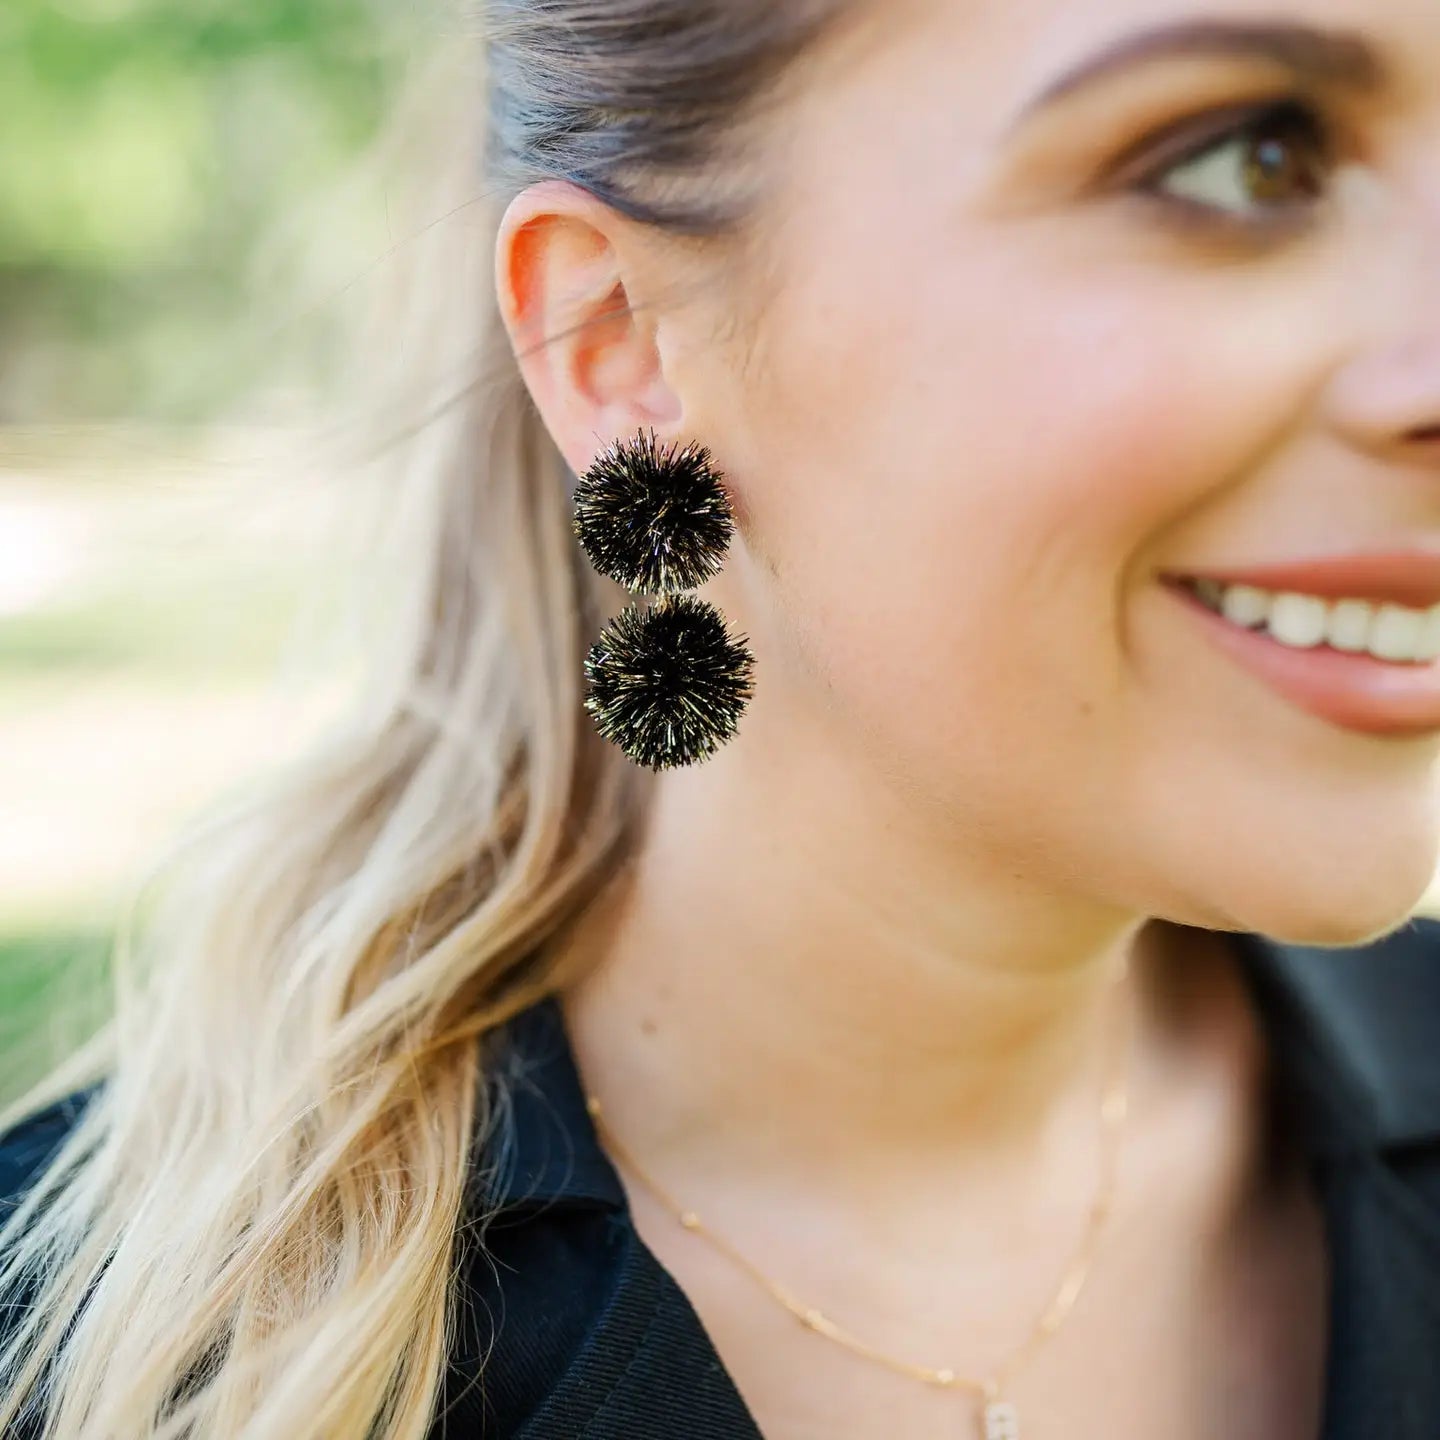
(1324, 909)
(1343, 886)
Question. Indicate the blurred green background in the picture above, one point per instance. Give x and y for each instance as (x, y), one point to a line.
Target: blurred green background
(159, 156)
(149, 144)
(158, 188)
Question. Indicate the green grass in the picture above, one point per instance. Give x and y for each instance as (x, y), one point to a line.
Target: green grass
(51, 986)
(34, 964)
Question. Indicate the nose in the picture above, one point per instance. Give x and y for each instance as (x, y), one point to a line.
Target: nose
(1386, 398)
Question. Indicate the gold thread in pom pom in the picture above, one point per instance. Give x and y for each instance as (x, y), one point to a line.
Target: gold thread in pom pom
(668, 684)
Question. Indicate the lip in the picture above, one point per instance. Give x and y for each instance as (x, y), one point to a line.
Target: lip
(1354, 691)
(1397, 577)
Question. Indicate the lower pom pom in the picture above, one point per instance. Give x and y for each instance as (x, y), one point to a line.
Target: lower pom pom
(668, 684)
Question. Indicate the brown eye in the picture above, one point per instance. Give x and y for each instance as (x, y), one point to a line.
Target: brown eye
(1288, 154)
(1278, 160)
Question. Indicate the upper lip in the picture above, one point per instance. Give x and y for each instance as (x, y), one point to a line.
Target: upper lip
(1396, 577)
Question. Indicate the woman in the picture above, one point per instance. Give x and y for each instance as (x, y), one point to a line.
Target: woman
(1000, 1011)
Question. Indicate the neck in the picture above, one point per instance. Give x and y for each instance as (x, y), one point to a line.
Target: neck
(774, 983)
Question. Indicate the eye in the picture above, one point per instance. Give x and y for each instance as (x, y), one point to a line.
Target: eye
(1250, 174)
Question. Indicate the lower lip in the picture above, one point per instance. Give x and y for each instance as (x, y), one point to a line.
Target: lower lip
(1356, 692)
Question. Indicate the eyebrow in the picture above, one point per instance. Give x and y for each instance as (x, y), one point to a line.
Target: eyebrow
(1335, 57)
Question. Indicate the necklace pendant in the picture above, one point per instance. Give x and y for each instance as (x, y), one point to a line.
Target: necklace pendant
(1002, 1421)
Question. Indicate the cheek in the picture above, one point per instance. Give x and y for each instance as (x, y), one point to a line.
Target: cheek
(962, 487)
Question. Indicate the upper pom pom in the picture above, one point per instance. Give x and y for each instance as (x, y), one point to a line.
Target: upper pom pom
(655, 520)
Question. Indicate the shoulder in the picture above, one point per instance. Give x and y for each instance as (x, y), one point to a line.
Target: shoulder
(28, 1147)
(1379, 1005)
(547, 1252)
(1375, 1010)
(26, 1150)
(534, 1292)
(1397, 1019)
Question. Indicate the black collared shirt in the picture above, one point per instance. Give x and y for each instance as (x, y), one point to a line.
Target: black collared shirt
(586, 1336)
(593, 1339)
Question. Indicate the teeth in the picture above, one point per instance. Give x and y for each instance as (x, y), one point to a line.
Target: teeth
(1388, 632)
(1396, 634)
(1244, 604)
(1299, 620)
(1349, 627)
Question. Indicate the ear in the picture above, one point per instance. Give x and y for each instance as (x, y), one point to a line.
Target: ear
(568, 269)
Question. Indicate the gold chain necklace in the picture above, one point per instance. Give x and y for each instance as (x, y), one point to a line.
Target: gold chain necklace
(999, 1419)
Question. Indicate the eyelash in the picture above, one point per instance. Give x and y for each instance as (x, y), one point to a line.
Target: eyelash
(1246, 123)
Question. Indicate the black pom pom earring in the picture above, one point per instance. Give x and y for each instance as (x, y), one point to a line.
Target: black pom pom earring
(666, 684)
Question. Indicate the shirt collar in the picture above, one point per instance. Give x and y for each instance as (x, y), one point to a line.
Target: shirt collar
(1349, 1031)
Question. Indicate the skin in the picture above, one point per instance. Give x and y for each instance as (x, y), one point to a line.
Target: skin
(847, 999)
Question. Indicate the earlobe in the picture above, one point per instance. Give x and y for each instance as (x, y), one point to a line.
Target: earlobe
(565, 283)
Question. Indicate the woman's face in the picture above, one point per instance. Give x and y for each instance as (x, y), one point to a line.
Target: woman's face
(995, 393)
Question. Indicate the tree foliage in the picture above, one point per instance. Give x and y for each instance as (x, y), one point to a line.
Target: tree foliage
(148, 143)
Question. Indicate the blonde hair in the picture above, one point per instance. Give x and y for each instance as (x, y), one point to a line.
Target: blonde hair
(252, 1228)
